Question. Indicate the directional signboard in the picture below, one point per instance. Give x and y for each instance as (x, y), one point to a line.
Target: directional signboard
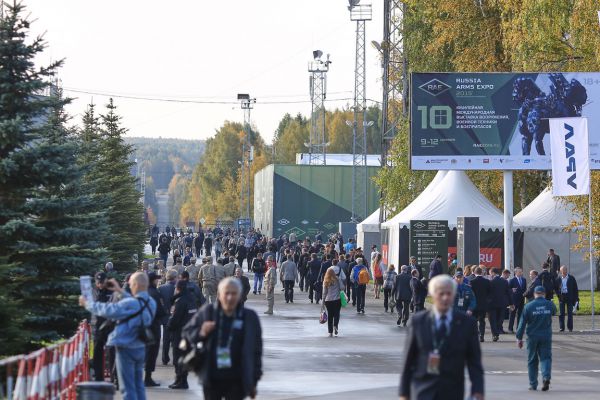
(427, 240)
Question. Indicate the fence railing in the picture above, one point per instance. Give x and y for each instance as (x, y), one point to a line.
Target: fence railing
(48, 373)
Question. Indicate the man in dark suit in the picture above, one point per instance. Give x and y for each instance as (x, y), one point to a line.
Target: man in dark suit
(412, 263)
(403, 294)
(419, 291)
(553, 261)
(534, 282)
(481, 288)
(435, 268)
(568, 294)
(439, 344)
(517, 285)
(167, 291)
(500, 298)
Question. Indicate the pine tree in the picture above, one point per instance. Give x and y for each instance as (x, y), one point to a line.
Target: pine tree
(21, 173)
(126, 212)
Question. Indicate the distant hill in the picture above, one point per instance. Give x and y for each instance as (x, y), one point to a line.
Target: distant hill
(162, 158)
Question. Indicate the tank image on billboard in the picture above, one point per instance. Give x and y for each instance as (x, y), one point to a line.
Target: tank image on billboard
(497, 120)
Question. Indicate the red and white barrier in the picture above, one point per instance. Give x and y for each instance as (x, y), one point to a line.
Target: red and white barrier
(51, 372)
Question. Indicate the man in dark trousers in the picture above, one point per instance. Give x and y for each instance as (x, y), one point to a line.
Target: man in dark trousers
(517, 285)
(100, 327)
(419, 291)
(435, 268)
(439, 344)
(481, 288)
(412, 263)
(500, 298)
(167, 291)
(568, 294)
(314, 268)
(554, 262)
(183, 309)
(548, 280)
(537, 323)
(403, 294)
(152, 349)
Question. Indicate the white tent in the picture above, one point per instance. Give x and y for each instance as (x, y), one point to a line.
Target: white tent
(545, 221)
(367, 232)
(452, 195)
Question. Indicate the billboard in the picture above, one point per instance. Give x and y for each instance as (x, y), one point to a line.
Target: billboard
(497, 120)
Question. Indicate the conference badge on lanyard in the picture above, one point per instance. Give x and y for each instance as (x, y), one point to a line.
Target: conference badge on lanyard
(433, 362)
(223, 357)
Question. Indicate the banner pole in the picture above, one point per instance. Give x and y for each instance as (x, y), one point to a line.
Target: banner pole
(591, 239)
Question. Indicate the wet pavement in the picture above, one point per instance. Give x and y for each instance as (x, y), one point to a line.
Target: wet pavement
(301, 361)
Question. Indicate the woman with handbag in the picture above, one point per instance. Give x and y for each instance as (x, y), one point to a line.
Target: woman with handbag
(331, 301)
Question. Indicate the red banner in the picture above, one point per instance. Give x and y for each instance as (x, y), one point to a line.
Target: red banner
(489, 256)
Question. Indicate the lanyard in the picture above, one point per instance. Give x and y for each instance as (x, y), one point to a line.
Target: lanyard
(220, 330)
(437, 346)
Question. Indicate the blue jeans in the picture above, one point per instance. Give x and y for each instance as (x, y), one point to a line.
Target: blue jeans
(258, 280)
(539, 350)
(130, 368)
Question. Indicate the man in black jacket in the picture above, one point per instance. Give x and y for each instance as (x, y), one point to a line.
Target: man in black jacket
(568, 294)
(500, 298)
(184, 307)
(534, 281)
(439, 344)
(481, 288)
(152, 349)
(403, 294)
(167, 291)
(314, 268)
(548, 281)
(419, 291)
(232, 339)
(303, 268)
(435, 268)
(553, 261)
(100, 327)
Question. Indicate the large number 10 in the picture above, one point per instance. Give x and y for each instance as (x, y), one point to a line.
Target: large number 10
(440, 117)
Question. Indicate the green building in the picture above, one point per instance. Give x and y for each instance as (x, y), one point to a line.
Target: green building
(306, 198)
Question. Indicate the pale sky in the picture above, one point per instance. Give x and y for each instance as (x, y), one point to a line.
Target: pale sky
(202, 50)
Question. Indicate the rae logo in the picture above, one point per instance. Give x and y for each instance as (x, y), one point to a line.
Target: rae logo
(434, 87)
(420, 225)
(570, 155)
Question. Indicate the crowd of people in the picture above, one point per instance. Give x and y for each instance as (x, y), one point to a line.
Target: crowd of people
(196, 289)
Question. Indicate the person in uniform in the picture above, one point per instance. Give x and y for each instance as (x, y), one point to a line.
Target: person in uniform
(193, 269)
(465, 298)
(183, 309)
(208, 281)
(537, 322)
(230, 267)
(440, 343)
(270, 282)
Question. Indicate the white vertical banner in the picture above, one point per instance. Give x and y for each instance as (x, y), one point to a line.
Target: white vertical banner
(570, 156)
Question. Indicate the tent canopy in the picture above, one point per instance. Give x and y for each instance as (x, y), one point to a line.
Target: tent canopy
(369, 224)
(546, 213)
(447, 197)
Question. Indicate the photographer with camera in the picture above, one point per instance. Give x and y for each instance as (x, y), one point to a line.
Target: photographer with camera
(225, 345)
(133, 315)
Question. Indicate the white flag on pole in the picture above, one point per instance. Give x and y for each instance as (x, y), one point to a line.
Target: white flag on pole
(570, 156)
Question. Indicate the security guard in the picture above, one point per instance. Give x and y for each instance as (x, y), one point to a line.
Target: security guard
(208, 280)
(537, 320)
(464, 300)
(183, 309)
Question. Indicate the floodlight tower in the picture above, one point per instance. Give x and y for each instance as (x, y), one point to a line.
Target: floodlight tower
(395, 77)
(247, 103)
(359, 13)
(318, 91)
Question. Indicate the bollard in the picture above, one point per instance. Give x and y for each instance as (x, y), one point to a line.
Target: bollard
(95, 391)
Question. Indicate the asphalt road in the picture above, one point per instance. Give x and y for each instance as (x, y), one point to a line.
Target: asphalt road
(301, 362)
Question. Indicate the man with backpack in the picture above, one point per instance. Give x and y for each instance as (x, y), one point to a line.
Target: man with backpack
(134, 312)
(360, 278)
(163, 248)
(258, 267)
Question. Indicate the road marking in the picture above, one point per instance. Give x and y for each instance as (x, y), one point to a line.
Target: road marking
(587, 371)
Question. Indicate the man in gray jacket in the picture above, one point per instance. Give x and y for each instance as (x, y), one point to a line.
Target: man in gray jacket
(289, 275)
(403, 294)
